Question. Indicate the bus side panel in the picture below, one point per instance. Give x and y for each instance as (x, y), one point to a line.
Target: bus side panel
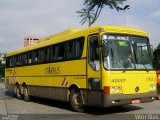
(50, 80)
(39, 91)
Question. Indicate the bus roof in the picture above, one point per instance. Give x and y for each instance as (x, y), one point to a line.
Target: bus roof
(59, 35)
(74, 33)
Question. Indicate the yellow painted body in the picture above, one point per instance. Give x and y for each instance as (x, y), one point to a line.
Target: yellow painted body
(65, 74)
(38, 75)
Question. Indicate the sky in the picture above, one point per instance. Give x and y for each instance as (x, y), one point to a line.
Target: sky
(40, 18)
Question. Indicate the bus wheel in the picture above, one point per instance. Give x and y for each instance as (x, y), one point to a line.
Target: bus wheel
(76, 100)
(26, 94)
(18, 92)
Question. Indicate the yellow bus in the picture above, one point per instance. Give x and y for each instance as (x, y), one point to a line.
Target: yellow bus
(99, 66)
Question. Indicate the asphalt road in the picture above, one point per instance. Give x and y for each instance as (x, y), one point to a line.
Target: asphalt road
(44, 109)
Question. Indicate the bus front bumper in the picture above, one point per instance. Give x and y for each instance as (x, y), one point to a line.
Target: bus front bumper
(121, 99)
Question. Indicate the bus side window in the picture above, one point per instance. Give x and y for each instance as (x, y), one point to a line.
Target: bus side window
(41, 55)
(75, 48)
(48, 54)
(70, 50)
(13, 61)
(7, 63)
(79, 47)
(29, 58)
(16, 60)
(24, 59)
(94, 53)
(19, 60)
(10, 61)
(53, 53)
(34, 56)
(61, 52)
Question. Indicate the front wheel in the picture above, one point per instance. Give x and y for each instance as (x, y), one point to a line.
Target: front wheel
(76, 100)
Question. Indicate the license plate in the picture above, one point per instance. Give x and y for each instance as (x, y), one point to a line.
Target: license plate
(136, 101)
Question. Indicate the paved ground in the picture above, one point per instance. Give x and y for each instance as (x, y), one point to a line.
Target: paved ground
(11, 108)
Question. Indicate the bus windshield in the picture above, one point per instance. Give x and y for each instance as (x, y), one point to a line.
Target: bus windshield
(125, 52)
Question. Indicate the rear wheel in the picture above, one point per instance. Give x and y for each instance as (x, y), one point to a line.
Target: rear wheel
(26, 95)
(76, 100)
(18, 92)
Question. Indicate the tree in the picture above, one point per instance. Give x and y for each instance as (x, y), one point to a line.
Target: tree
(93, 9)
(87, 15)
(2, 64)
(2, 70)
(156, 57)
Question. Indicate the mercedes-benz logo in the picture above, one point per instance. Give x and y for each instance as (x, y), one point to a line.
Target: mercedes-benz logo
(137, 89)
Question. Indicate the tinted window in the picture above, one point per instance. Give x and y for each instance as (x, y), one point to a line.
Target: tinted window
(48, 54)
(61, 52)
(75, 48)
(54, 53)
(41, 55)
(24, 59)
(71, 49)
(79, 47)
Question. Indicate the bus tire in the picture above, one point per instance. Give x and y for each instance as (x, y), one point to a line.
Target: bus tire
(18, 92)
(76, 100)
(26, 95)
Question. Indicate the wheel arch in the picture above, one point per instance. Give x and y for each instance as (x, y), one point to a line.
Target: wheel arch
(73, 86)
(17, 84)
(24, 84)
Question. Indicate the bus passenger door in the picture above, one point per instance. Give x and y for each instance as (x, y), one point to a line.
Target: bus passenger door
(94, 72)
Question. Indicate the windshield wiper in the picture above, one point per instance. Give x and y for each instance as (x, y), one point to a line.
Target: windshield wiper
(145, 68)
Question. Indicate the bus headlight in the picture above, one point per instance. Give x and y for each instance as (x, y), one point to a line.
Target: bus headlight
(112, 90)
(115, 90)
(153, 87)
(119, 90)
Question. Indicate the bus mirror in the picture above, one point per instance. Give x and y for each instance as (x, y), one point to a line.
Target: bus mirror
(105, 49)
(151, 50)
(152, 47)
